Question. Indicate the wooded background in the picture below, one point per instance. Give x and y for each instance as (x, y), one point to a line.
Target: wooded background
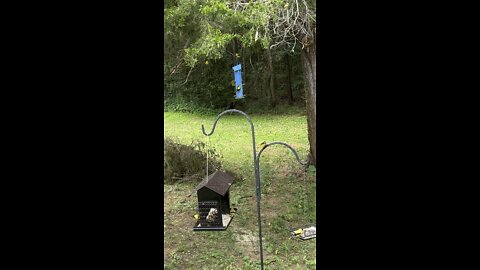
(274, 40)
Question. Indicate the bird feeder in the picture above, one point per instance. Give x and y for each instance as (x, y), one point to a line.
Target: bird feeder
(217, 192)
(214, 202)
(237, 74)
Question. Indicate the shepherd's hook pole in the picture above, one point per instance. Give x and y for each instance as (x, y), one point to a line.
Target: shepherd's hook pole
(286, 145)
(256, 168)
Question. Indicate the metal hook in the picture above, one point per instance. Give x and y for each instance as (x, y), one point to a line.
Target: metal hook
(256, 163)
(225, 112)
(306, 163)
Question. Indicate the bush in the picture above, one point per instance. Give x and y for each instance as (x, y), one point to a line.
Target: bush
(182, 105)
(188, 162)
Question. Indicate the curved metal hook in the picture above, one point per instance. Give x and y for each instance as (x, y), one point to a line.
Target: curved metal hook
(284, 144)
(256, 168)
(220, 115)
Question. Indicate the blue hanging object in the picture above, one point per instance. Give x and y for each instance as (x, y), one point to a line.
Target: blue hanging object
(237, 74)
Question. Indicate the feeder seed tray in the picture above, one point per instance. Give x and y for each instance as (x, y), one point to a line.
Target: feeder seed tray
(214, 202)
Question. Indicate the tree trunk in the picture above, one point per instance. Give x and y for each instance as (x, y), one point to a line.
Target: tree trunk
(289, 79)
(266, 84)
(272, 97)
(252, 86)
(310, 73)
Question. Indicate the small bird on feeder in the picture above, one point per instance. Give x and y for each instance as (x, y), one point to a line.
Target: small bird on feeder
(212, 214)
(297, 233)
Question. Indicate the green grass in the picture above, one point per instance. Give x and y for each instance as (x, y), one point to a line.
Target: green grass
(232, 136)
(288, 196)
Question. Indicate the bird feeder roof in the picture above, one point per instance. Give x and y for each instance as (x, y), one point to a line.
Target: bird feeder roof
(219, 182)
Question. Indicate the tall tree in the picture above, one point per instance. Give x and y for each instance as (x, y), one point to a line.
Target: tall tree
(270, 23)
(271, 77)
(294, 23)
(286, 60)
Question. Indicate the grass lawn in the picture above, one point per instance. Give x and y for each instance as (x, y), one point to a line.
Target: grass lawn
(288, 196)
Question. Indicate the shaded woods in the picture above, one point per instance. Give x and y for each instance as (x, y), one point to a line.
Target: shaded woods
(273, 40)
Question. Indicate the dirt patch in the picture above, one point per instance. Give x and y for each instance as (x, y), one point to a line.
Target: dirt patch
(246, 238)
(248, 242)
(167, 251)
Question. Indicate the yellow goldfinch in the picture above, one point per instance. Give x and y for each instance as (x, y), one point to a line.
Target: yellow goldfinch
(296, 233)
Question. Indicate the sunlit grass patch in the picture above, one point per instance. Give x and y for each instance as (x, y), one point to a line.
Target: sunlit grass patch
(288, 196)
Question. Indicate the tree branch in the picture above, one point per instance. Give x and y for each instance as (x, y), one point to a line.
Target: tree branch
(188, 75)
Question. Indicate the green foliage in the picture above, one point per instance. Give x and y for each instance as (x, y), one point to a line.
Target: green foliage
(209, 46)
(215, 24)
(202, 93)
(182, 105)
(256, 107)
(205, 30)
(179, 17)
(188, 161)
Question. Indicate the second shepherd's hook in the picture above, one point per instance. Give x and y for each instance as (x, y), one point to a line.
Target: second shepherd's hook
(256, 164)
